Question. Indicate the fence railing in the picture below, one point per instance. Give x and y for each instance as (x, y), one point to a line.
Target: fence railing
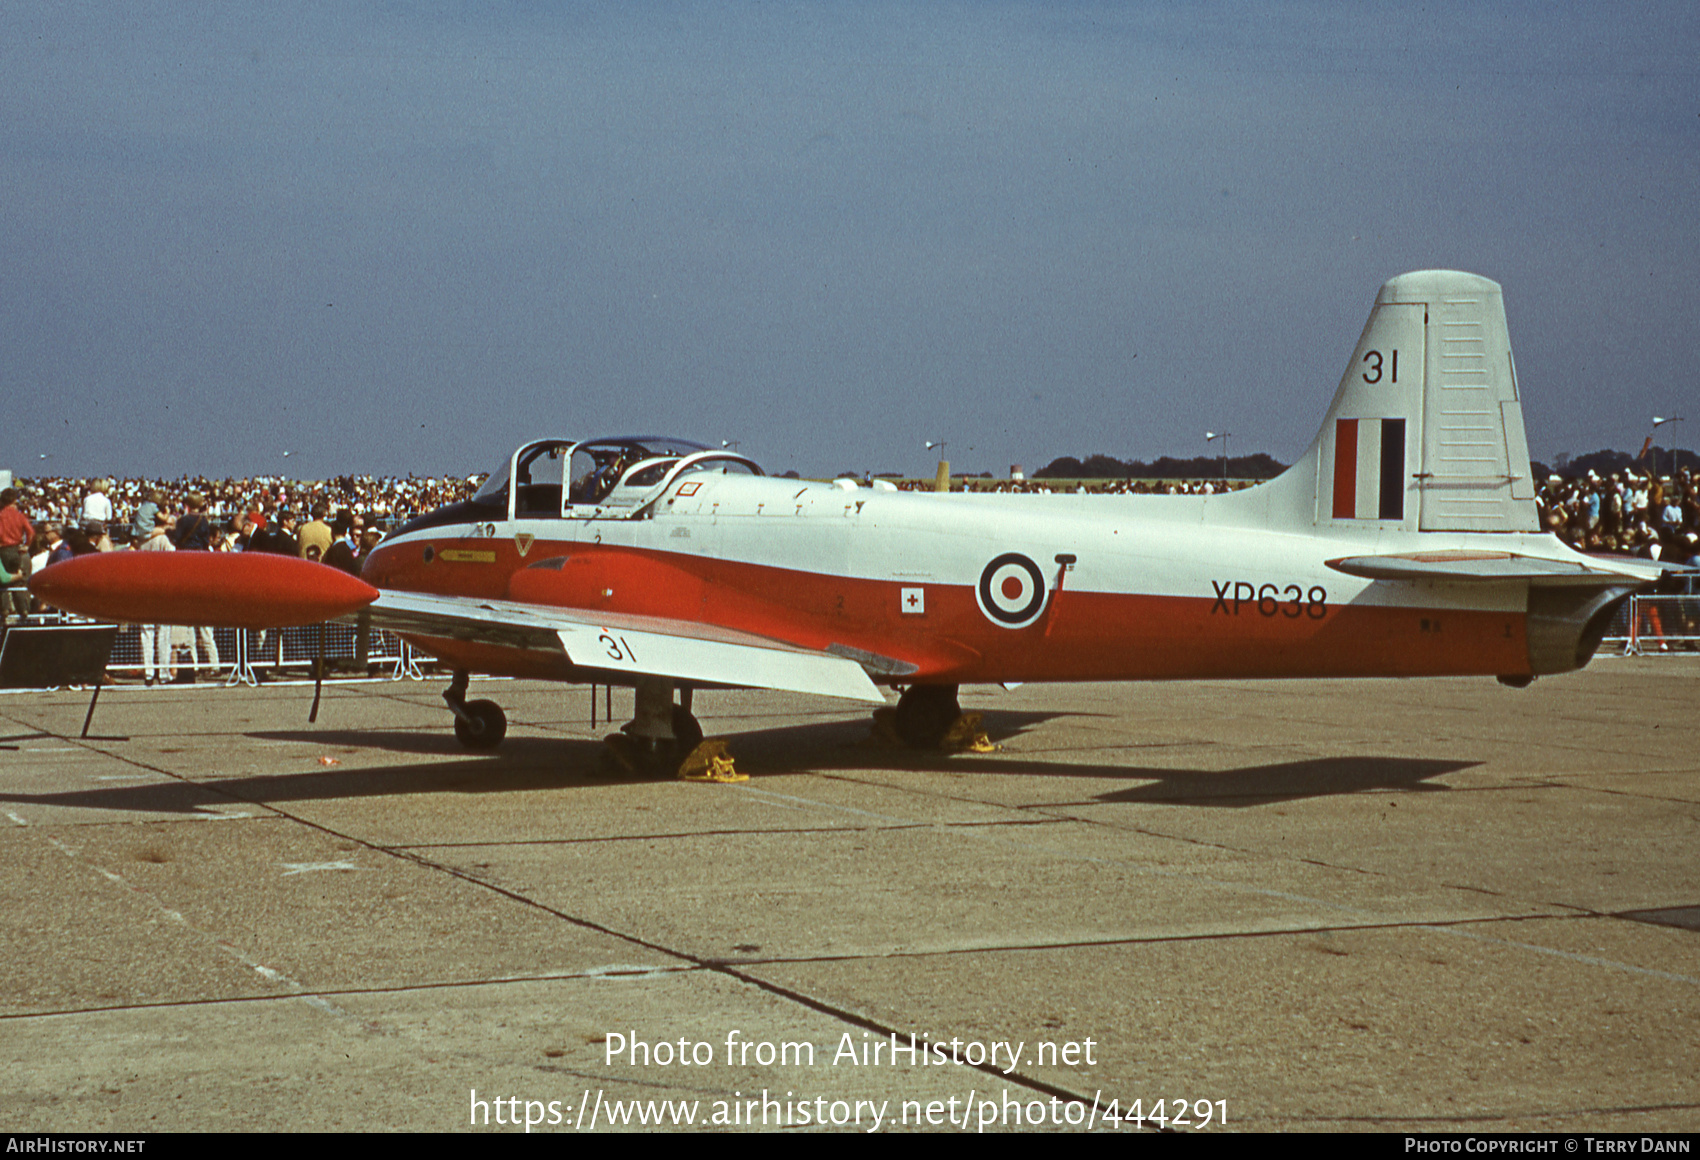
(249, 656)
(1650, 626)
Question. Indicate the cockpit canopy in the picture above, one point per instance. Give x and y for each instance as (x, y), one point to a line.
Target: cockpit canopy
(615, 477)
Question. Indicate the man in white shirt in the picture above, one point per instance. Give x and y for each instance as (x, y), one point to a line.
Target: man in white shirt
(156, 638)
(95, 504)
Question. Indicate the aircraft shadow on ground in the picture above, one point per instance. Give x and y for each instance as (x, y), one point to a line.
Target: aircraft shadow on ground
(1286, 781)
(524, 764)
(422, 741)
(533, 763)
(779, 749)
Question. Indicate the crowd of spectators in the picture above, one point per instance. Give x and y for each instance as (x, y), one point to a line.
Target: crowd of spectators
(1627, 513)
(335, 522)
(383, 501)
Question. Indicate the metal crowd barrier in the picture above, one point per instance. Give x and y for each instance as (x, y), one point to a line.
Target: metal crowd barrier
(248, 656)
(1650, 626)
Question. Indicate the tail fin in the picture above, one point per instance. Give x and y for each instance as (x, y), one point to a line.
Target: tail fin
(1426, 431)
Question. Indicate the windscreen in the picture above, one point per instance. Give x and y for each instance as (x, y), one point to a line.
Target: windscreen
(493, 492)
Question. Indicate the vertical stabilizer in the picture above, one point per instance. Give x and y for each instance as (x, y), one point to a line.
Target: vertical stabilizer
(1425, 432)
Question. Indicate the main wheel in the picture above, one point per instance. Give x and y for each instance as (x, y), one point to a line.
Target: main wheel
(687, 731)
(487, 727)
(925, 714)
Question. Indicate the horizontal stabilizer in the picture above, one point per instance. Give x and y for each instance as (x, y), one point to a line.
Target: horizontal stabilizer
(1484, 566)
(616, 644)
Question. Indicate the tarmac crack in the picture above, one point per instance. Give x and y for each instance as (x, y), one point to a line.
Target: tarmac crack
(351, 992)
(1155, 939)
(788, 831)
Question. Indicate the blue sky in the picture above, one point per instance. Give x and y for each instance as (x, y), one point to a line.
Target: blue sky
(394, 238)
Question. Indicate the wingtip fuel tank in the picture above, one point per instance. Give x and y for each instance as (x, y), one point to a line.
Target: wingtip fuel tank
(232, 590)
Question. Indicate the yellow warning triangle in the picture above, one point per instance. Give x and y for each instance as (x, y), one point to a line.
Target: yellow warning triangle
(523, 541)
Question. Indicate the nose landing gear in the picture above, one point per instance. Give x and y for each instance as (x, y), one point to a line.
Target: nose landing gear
(478, 724)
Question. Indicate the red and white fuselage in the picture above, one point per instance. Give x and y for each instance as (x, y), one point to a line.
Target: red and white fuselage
(1404, 543)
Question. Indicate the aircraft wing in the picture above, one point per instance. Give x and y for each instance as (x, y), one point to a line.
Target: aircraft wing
(624, 645)
(1483, 566)
(259, 590)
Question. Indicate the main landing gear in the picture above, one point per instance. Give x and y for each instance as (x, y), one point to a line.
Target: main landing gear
(925, 713)
(478, 724)
(929, 717)
(661, 734)
(661, 738)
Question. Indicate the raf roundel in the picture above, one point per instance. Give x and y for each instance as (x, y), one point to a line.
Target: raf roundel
(1011, 591)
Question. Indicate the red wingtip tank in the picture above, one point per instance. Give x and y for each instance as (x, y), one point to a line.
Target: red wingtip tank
(215, 589)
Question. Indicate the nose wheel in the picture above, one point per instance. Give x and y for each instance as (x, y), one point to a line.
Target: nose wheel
(483, 726)
(478, 724)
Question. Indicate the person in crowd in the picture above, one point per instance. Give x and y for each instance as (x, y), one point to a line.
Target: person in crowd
(339, 554)
(58, 547)
(153, 502)
(1670, 512)
(41, 551)
(41, 546)
(77, 541)
(193, 531)
(96, 533)
(351, 534)
(96, 504)
(246, 529)
(289, 526)
(16, 532)
(369, 539)
(230, 537)
(315, 536)
(277, 538)
(156, 638)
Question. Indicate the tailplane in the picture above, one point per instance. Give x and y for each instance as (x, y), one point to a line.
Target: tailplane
(1426, 431)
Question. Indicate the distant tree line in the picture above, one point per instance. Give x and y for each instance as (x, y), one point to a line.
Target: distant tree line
(1264, 466)
(1607, 461)
(1259, 466)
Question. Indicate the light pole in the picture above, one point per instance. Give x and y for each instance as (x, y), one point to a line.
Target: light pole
(1657, 423)
(941, 478)
(1211, 437)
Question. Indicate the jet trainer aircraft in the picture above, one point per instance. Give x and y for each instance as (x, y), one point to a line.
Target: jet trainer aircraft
(1404, 542)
